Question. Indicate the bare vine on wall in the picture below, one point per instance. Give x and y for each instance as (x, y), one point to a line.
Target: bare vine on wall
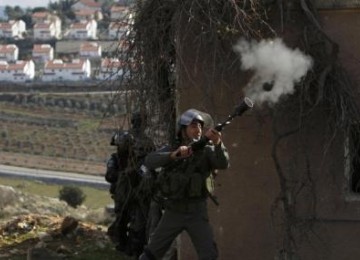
(326, 87)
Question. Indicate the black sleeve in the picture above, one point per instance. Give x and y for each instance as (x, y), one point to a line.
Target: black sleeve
(112, 169)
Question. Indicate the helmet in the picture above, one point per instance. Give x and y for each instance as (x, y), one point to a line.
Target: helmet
(189, 116)
(121, 138)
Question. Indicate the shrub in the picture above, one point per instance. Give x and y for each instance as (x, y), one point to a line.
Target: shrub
(72, 195)
(4, 134)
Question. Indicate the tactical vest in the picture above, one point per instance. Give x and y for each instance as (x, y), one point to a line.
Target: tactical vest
(184, 179)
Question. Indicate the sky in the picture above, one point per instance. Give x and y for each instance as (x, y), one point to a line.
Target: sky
(26, 3)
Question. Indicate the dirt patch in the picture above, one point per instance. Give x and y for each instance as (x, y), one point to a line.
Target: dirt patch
(23, 235)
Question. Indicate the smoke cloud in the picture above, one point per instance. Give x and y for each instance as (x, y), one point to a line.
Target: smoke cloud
(272, 62)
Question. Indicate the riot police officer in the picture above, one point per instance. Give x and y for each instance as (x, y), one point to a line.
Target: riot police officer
(182, 182)
(128, 231)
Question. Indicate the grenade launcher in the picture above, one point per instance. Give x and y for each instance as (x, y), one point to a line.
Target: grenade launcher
(245, 105)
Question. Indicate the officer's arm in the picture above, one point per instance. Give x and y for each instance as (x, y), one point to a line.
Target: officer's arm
(112, 168)
(218, 156)
(158, 158)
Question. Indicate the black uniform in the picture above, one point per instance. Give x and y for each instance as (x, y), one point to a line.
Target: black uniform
(128, 231)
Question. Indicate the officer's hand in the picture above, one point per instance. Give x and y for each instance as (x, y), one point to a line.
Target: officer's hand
(181, 152)
(214, 136)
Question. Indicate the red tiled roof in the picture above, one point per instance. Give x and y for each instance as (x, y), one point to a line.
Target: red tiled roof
(89, 46)
(90, 3)
(42, 26)
(111, 63)
(9, 48)
(84, 12)
(42, 48)
(58, 64)
(79, 25)
(40, 15)
(20, 64)
(6, 26)
(118, 9)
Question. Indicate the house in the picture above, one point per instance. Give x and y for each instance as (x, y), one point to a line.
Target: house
(119, 12)
(20, 71)
(117, 30)
(85, 15)
(9, 52)
(49, 29)
(57, 70)
(83, 30)
(90, 50)
(110, 69)
(86, 5)
(40, 17)
(12, 29)
(44, 31)
(42, 52)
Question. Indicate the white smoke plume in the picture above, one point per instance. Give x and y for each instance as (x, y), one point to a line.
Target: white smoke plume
(272, 62)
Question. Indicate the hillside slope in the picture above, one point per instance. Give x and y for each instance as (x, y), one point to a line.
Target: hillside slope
(37, 227)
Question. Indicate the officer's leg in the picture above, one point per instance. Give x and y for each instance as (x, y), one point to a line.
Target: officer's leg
(147, 255)
(153, 217)
(137, 230)
(170, 225)
(201, 235)
(123, 231)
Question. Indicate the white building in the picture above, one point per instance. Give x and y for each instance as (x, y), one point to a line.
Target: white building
(48, 29)
(117, 30)
(44, 31)
(9, 52)
(110, 69)
(90, 50)
(86, 5)
(83, 30)
(42, 52)
(12, 29)
(57, 70)
(85, 15)
(20, 71)
(44, 18)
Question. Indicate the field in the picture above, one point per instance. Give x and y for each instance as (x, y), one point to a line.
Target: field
(58, 131)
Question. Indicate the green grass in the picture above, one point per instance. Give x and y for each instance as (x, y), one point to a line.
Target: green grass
(88, 124)
(95, 198)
